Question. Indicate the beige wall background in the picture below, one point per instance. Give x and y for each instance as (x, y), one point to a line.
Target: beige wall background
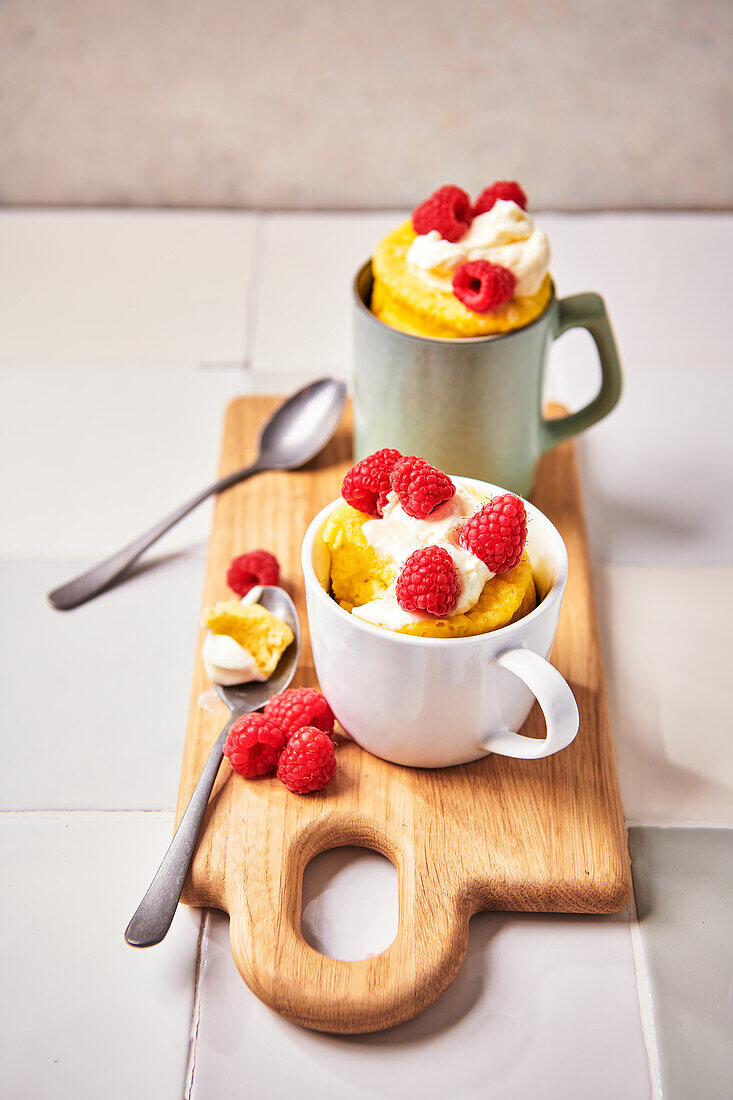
(316, 103)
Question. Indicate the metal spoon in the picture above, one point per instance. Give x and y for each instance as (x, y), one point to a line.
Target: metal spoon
(155, 912)
(294, 434)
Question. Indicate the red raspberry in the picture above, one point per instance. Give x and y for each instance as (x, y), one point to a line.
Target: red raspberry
(428, 582)
(298, 707)
(448, 210)
(366, 484)
(253, 745)
(497, 533)
(308, 761)
(256, 567)
(483, 286)
(508, 190)
(420, 487)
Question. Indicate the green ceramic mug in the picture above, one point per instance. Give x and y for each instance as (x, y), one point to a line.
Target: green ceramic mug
(472, 407)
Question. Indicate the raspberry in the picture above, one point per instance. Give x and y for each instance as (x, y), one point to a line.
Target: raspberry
(420, 487)
(448, 210)
(428, 582)
(508, 190)
(483, 286)
(497, 533)
(366, 484)
(308, 761)
(298, 707)
(253, 745)
(256, 567)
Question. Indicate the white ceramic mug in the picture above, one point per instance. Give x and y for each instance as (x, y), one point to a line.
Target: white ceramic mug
(434, 702)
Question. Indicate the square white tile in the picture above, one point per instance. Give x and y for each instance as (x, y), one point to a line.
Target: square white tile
(302, 298)
(517, 1014)
(121, 287)
(683, 880)
(666, 643)
(94, 701)
(647, 267)
(90, 457)
(658, 472)
(83, 1014)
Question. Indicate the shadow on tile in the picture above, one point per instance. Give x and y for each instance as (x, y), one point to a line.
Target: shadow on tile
(653, 678)
(516, 1014)
(683, 882)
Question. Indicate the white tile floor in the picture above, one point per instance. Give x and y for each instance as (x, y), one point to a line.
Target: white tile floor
(683, 879)
(302, 315)
(114, 679)
(108, 420)
(664, 316)
(98, 288)
(516, 1016)
(668, 684)
(658, 472)
(82, 1014)
(106, 452)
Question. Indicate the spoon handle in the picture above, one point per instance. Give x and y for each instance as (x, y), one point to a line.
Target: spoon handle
(154, 914)
(90, 583)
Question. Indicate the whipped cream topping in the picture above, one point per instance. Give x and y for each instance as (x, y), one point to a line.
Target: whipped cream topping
(225, 660)
(504, 223)
(397, 535)
(504, 235)
(431, 252)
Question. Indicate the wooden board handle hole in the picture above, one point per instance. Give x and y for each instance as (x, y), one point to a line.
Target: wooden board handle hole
(350, 894)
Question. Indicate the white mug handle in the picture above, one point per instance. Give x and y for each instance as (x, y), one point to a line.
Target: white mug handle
(554, 696)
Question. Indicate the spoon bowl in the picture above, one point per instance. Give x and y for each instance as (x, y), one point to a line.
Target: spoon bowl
(154, 914)
(301, 427)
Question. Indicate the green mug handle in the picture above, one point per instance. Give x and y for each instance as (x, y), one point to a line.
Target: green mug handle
(586, 311)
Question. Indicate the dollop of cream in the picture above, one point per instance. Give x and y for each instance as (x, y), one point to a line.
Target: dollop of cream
(397, 535)
(504, 235)
(226, 661)
(431, 252)
(504, 223)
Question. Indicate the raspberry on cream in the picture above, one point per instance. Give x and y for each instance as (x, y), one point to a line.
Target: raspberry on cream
(428, 582)
(397, 535)
(483, 286)
(504, 235)
(504, 223)
(500, 189)
(448, 210)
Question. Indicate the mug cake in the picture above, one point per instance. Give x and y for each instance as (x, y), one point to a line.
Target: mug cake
(457, 269)
(417, 552)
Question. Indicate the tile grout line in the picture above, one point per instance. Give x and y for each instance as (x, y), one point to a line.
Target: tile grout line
(250, 306)
(667, 823)
(646, 1005)
(250, 315)
(201, 957)
(94, 812)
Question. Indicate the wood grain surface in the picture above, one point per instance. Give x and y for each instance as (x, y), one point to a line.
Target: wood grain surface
(544, 835)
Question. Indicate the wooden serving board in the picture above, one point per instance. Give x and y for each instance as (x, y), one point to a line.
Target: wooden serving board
(544, 835)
